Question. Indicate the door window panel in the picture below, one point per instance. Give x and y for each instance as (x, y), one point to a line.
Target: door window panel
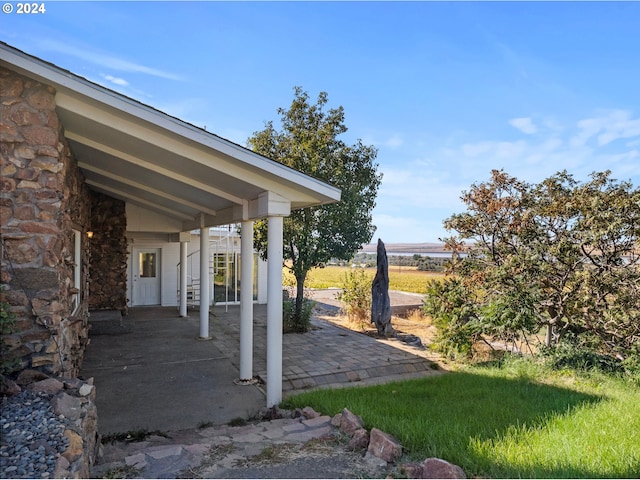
(147, 264)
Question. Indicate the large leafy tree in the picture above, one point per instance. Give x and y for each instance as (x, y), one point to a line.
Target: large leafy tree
(308, 141)
(560, 254)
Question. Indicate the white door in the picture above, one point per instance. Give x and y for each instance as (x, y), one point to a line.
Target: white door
(146, 276)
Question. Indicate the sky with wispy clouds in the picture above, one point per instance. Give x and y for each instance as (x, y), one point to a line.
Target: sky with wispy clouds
(447, 91)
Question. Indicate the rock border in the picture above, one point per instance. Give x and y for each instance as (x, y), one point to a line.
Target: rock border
(382, 448)
(73, 401)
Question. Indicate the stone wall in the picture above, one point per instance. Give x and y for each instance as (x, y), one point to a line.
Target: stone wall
(108, 270)
(44, 198)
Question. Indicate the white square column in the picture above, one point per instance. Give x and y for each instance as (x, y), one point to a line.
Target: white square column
(183, 279)
(246, 302)
(205, 279)
(274, 310)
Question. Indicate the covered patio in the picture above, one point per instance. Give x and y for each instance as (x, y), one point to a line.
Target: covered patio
(173, 178)
(152, 372)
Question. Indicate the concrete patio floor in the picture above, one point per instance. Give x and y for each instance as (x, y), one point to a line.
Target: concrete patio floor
(152, 373)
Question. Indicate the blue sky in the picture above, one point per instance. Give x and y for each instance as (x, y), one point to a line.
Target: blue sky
(445, 91)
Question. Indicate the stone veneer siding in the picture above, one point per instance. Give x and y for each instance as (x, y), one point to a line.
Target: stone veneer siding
(108, 270)
(43, 198)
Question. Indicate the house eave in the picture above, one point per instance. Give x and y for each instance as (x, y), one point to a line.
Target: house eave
(81, 101)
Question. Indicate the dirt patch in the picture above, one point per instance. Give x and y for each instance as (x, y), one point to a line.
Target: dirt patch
(415, 324)
(320, 458)
(422, 327)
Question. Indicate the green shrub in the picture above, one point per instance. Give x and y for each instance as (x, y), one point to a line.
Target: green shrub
(7, 327)
(575, 352)
(356, 295)
(454, 316)
(289, 323)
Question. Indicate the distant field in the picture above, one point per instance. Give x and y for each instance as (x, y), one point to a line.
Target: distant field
(405, 279)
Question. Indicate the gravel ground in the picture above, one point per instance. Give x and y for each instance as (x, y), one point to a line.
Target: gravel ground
(31, 436)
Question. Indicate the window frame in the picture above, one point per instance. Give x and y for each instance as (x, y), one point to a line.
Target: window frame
(77, 271)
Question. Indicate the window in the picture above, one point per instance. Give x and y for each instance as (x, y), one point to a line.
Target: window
(147, 264)
(77, 270)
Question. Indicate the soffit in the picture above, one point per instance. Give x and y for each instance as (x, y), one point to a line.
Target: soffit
(140, 155)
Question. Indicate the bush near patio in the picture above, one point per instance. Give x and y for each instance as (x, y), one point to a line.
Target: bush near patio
(562, 256)
(7, 327)
(356, 295)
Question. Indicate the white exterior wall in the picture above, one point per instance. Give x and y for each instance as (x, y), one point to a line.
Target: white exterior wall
(147, 229)
(169, 259)
(142, 220)
(194, 267)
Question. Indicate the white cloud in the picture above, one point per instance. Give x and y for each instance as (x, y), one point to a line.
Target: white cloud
(497, 150)
(606, 128)
(524, 124)
(552, 125)
(416, 195)
(107, 61)
(621, 125)
(115, 80)
(415, 186)
(394, 142)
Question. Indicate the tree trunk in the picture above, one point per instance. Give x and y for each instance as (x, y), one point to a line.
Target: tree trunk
(297, 316)
(549, 337)
(552, 311)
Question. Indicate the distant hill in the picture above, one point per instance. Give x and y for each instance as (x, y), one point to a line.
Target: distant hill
(406, 248)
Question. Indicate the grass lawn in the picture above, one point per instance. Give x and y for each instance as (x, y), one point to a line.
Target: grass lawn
(517, 421)
(404, 279)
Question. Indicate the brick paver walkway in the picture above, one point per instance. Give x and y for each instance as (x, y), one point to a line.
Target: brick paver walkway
(326, 356)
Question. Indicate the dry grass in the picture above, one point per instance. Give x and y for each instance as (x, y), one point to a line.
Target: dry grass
(404, 279)
(415, 324)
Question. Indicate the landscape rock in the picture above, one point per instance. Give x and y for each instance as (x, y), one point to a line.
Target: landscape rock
(433, 468)
(359, 440)
(49, 385)
(349, 422)
(384, 446)
(64, 426)
(309, 413)
(85, 390)
(8, 387)
(74, 451)
(62, 468)
(73, 383)
(271, 413)
(335, 421)
(28, 376)
(66, 405)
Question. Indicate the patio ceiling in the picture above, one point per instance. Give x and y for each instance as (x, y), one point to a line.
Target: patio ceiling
(135, 153)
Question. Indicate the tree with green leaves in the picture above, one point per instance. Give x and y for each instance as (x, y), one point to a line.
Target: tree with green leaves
(559, 254)
(308, 141)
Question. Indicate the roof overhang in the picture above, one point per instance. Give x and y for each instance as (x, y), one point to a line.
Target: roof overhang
(145, 157)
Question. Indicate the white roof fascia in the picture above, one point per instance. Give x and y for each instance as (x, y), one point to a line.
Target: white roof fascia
(58, 77)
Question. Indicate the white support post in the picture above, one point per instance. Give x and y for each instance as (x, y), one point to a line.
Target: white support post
(246, 302)
(183, 279)
(274, 310)
(204, 280)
